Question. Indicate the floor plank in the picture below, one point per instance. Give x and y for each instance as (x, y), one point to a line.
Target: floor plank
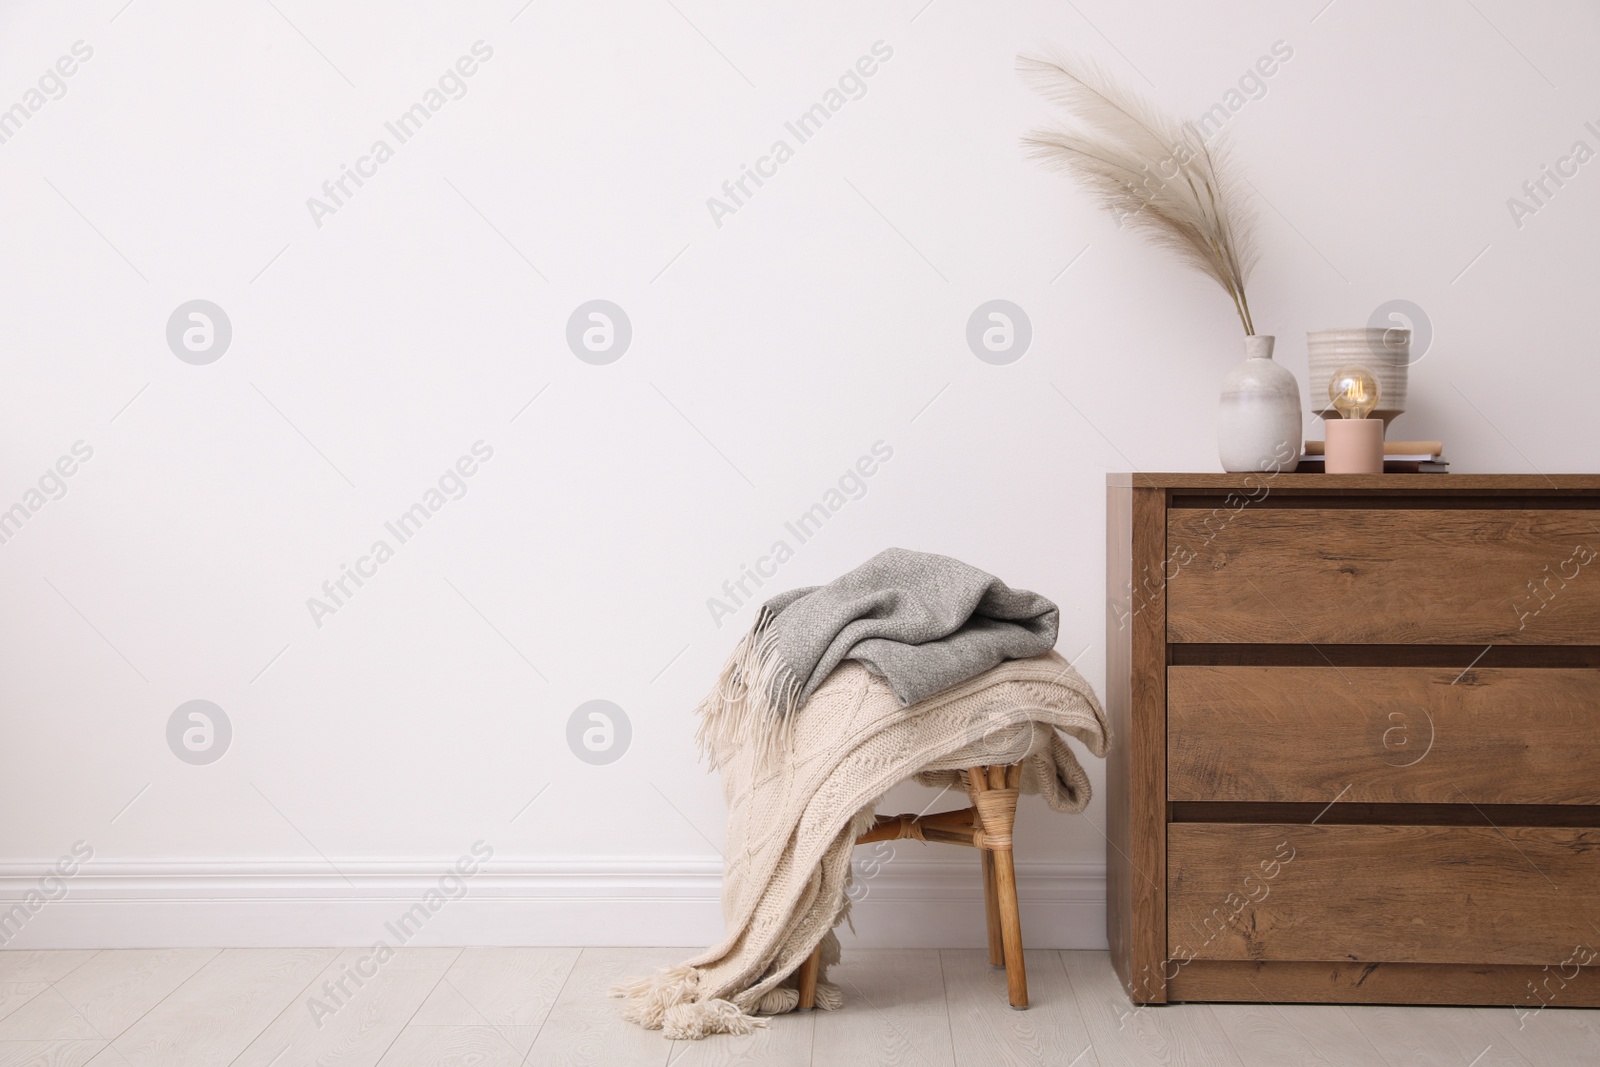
(48, 1053)
(785, 1042)
(350, 1025)
(104, 996)
(211, 1018)
(988, 1032)
(41, 965)
(1295, 1035)
(461, 1046)
(14, 995)
(1433, 1037)
(585, 1025)
(530, 1007)
(1554, 1037)
(1176, 1035)
(510, 988)
(894, 1011)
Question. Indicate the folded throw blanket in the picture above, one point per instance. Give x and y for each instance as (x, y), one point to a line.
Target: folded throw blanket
(920, 621)
(794, 815)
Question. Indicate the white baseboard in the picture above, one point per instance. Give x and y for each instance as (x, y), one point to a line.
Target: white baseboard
(578, 901)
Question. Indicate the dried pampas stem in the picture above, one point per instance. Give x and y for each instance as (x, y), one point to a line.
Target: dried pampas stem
(1154, 173)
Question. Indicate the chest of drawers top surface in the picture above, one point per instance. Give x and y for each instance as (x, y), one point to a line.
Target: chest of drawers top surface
(1361, 483)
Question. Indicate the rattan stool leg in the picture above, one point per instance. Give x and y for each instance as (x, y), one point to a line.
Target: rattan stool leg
(996, 801)
(1011, 928)
(808, 979)
(991, 908)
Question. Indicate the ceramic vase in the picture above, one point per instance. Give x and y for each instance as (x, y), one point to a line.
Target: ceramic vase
(1258, 425)
(1386, 352)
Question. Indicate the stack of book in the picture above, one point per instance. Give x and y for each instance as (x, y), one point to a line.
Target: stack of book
(1399, 457)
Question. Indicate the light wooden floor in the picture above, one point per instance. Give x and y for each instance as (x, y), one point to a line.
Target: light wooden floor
(493, 1007)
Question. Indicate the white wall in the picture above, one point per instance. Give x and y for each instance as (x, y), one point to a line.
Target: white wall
(826, 314)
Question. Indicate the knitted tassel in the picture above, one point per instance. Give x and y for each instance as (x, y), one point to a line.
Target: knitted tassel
(647, 999)
(691, 1022)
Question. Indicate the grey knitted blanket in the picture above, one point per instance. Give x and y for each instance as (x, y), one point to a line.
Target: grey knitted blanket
(922, 622)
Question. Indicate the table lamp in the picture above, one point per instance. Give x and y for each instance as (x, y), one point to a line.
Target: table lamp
(1355, 442)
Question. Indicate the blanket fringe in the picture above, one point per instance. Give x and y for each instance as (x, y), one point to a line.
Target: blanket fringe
(691, 1022)
(649, 997)
(754, 700)
(665, 1001)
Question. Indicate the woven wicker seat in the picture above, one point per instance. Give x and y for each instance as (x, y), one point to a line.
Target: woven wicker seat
(986, 826)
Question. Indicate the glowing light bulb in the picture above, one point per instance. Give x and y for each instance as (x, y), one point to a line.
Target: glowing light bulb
(1354, 391)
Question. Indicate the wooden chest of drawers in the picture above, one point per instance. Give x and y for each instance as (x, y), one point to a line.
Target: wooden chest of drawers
(1357, 738)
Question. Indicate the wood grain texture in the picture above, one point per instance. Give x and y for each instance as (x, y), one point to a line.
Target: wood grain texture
(457, 1046)
(41, 965)
(1128, 1035)
(1434, 1037)
(1374, 575)
(351, 1026)
(786, 1042)
(894, 1011)
(1365, 483)
(1553, 1036)
(949, 1006)
(1424, 650)
(104, 996)
(506, 987)
(1419, 894)
(48, 1053)
(1295, 1035)
(1514, 987)
(1392, 734)
(986, 1031)
(1386, 576)
(13, 995)
(219, 1011)
(1136, 763)
(585, 1028)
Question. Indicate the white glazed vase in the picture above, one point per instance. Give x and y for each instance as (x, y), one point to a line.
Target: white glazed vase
(1258, 424)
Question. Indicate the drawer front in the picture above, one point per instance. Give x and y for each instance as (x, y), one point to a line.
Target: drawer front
(1400, 894)
(1383, 576)
(1390, 735)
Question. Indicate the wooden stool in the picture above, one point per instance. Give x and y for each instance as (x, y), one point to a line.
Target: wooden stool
(986, 826)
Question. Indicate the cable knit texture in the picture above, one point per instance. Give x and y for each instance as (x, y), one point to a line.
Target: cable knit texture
(794, 813)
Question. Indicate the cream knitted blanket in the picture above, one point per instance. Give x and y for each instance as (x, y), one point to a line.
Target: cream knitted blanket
(794, 814)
